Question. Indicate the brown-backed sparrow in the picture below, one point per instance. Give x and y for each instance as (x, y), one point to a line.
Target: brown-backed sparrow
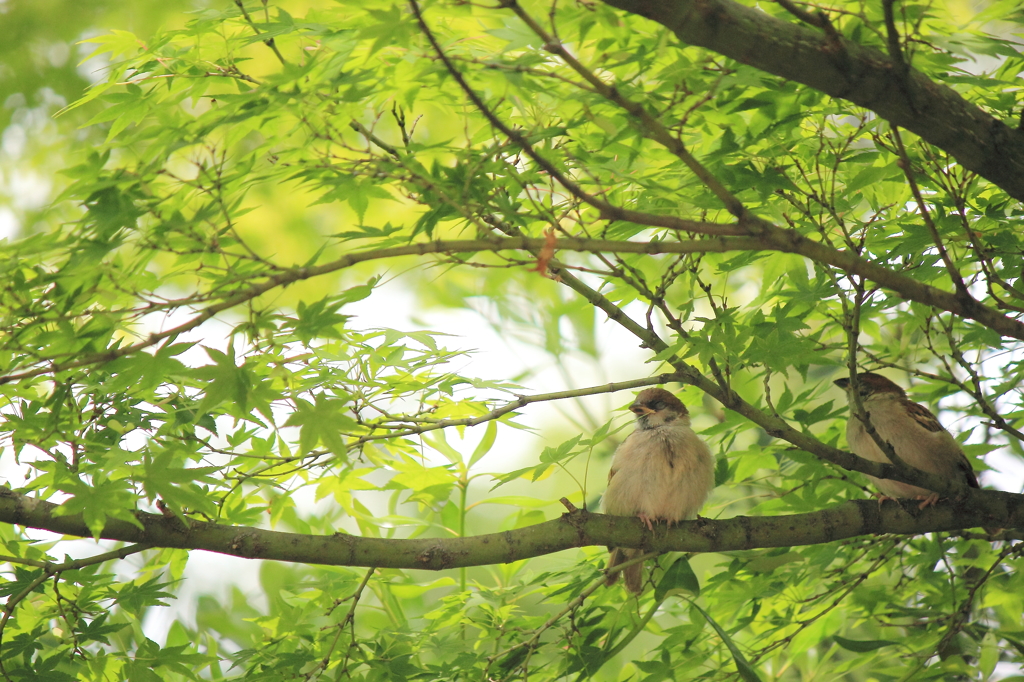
(661, 472)
(913, 432)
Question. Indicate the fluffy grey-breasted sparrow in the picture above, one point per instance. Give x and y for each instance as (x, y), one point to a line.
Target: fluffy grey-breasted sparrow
(661, 472)
(913, 432)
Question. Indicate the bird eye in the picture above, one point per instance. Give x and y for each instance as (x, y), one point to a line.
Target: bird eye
(658, 406)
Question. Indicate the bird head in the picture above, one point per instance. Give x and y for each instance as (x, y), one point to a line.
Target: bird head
(871, 384)
(656, 407)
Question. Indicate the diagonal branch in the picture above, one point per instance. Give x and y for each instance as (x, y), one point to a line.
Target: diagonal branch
(608, 211)
(907, 167)
(650, 126)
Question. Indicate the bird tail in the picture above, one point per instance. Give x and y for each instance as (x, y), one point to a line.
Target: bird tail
(634, 574)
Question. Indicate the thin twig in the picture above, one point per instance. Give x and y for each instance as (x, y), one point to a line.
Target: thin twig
(269, 42)
(900, 65)
(908, 171)
(348, 621)
(50, 569)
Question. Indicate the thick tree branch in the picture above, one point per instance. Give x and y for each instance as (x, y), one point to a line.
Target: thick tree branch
(843, 69)
(576, 529)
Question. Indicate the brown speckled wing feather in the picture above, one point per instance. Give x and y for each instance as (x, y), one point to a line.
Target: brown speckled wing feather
(923, 416)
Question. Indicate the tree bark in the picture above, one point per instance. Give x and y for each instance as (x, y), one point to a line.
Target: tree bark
(574, 529)
(845, 70)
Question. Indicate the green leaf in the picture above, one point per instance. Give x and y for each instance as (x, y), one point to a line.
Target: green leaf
(862, 645)
(563, 451)
(322, 421)
(679, 576)
(742, 666)
(486, 443)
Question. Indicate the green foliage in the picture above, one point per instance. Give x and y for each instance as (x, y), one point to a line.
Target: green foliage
(179, 338)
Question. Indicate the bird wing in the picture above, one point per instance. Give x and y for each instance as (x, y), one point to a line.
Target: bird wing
(964, 465)
(923, 416)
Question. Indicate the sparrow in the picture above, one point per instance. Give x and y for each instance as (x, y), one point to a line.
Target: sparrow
(913, 432)
(661, 472)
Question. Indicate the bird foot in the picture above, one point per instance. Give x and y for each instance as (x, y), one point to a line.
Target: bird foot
(648, 520)
(882, 498)
(927, 500)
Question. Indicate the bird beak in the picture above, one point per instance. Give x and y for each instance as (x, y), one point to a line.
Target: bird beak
(842, 383)
(640, 410)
